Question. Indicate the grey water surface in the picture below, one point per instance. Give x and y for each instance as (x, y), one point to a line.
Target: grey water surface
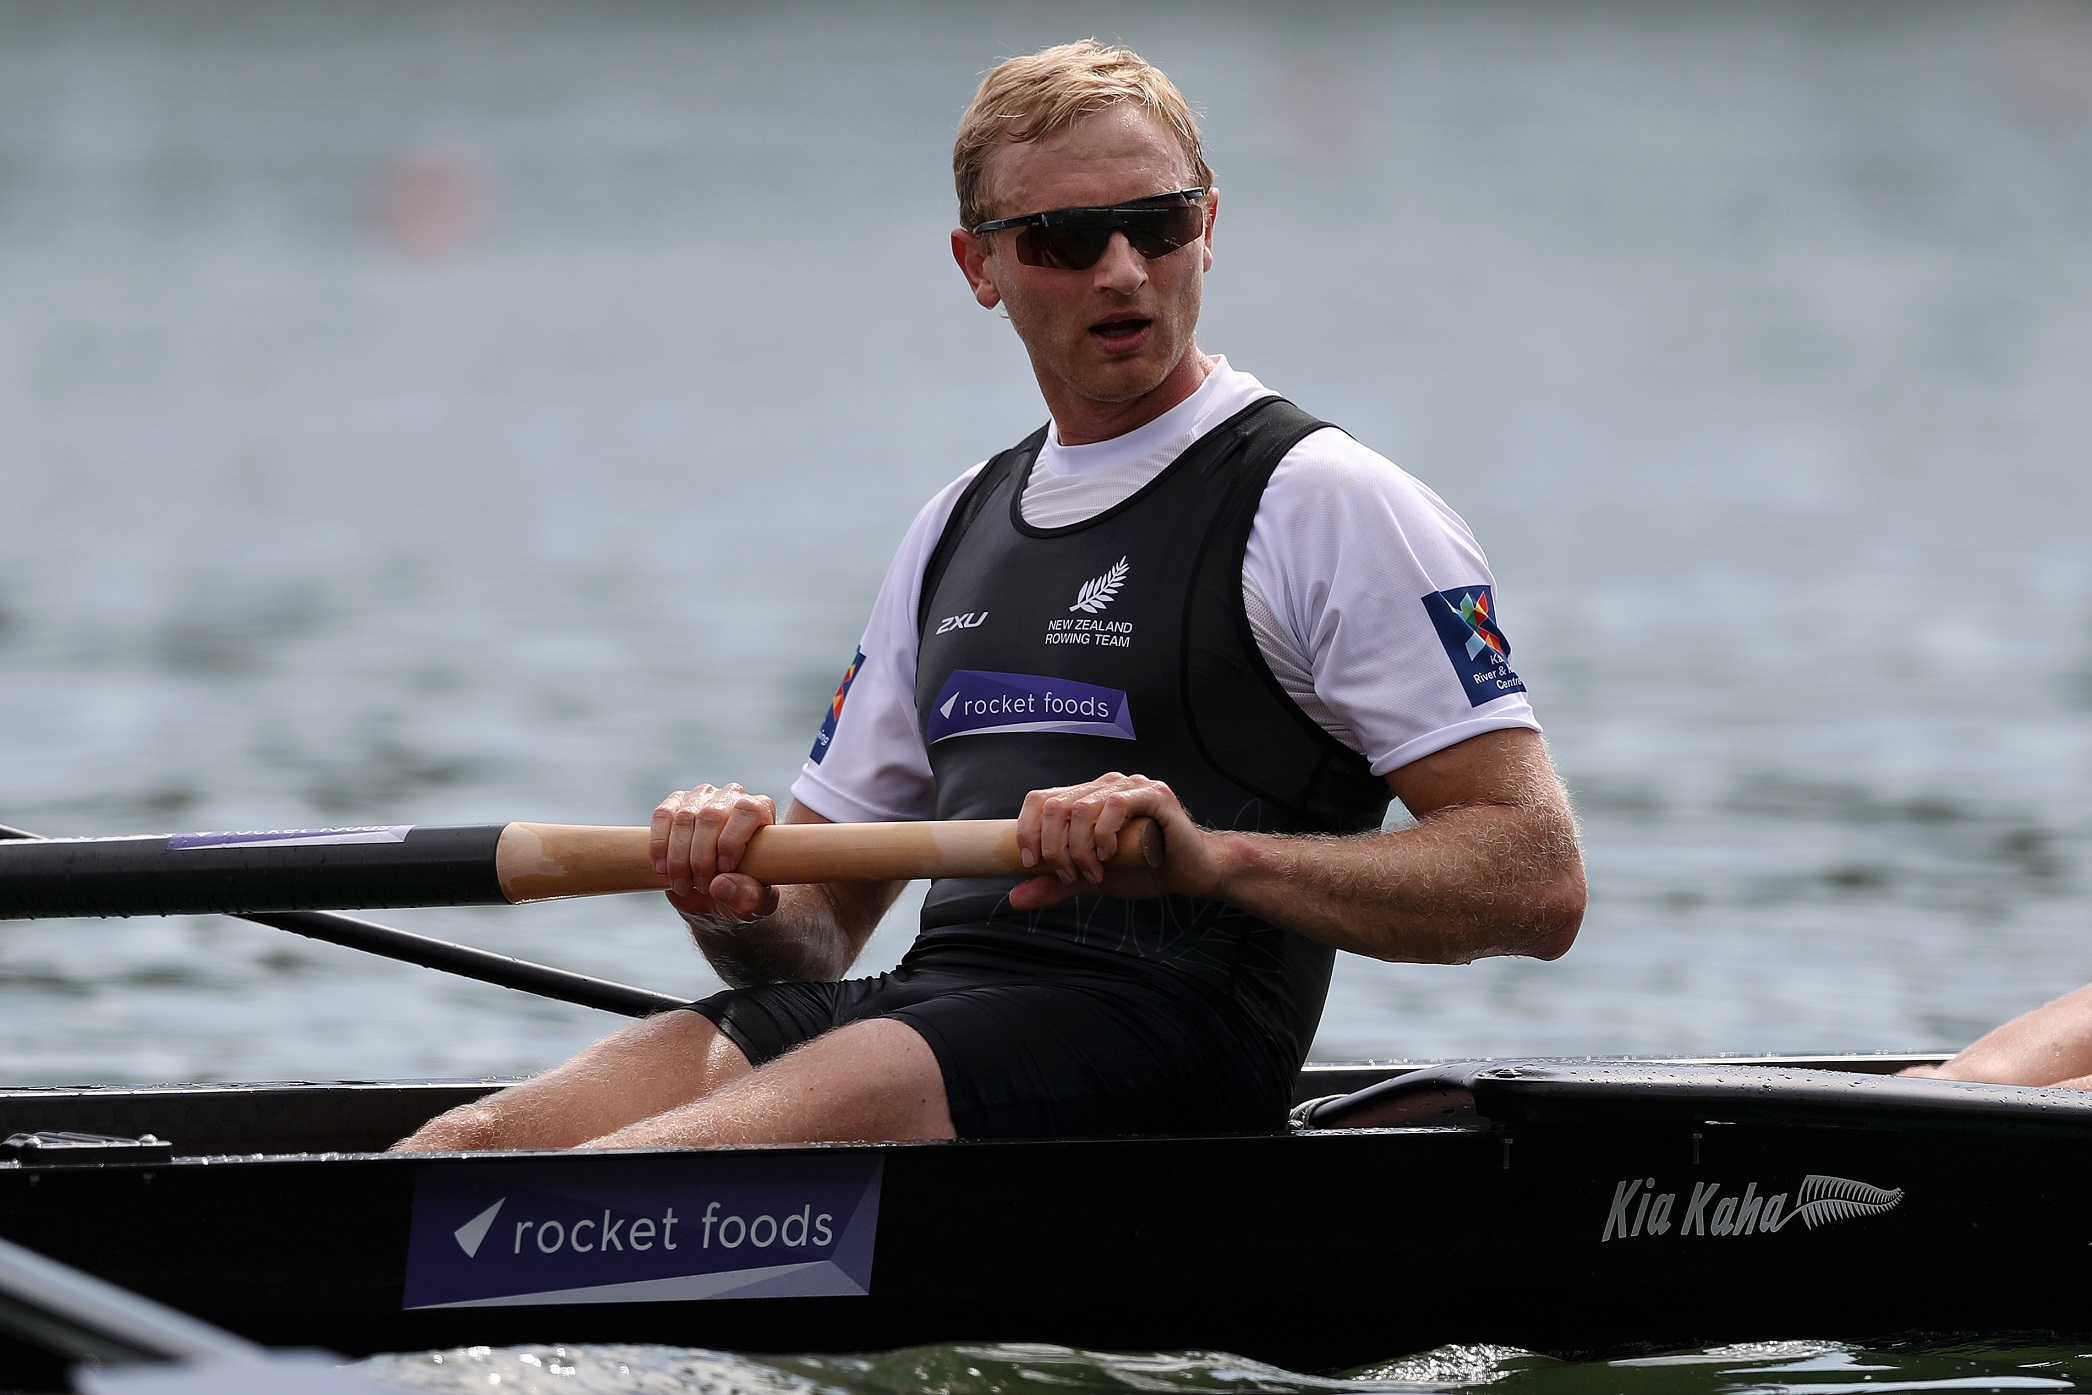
(1753, 1368)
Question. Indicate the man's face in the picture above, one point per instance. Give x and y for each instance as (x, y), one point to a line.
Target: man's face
(1113, 332)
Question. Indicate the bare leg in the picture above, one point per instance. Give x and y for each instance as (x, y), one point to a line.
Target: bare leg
(876, 1079)
(2052, 1045)
(651, 1066)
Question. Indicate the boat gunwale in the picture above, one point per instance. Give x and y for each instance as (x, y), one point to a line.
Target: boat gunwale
(261, 1098)
(1882, 1063)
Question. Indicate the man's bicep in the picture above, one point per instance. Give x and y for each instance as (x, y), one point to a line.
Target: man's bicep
(1509, 766)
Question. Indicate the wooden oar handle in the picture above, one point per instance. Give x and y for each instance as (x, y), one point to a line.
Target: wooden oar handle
(540, 861)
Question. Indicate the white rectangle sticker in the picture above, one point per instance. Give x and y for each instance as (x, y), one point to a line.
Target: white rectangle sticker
(291, 837)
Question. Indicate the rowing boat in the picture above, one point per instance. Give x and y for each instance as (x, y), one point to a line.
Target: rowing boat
(1567, 1206)
(1563, 1206)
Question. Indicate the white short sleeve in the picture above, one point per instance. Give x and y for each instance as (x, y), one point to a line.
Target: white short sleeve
(1389, 598)
(868, 764)
(1369, 597)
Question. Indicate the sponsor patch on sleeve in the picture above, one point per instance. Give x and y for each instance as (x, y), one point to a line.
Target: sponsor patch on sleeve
(835, 709)
(1465, 619)
(974, 703)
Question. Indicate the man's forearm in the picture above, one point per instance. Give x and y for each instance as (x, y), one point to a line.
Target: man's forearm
(1466, 883)
(807, 938)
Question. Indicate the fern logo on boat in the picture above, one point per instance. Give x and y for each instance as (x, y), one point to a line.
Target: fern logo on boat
(1101, 591)
(641, 1230)
(974, 702)
(1640, 1210)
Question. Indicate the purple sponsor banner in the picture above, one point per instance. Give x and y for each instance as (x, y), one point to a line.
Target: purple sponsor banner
(975, 703)
(292, 837)
(643, 1229)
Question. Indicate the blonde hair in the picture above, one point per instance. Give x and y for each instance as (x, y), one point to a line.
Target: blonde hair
(1033, 97)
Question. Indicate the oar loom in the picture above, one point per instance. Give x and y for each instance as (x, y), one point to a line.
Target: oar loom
(368, 868)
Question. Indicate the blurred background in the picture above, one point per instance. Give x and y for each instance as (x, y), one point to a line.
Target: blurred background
(473, 411)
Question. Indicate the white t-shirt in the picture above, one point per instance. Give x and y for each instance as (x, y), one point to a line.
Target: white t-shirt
(1369, 599)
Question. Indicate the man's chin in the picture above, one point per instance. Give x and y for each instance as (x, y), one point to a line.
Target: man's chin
(1118, 380)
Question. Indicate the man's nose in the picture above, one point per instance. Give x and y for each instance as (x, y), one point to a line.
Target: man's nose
(1121, 269)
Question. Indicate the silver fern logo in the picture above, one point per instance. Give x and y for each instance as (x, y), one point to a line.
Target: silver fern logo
(1102, 591)
(1639, 1208)
(1826, 1199)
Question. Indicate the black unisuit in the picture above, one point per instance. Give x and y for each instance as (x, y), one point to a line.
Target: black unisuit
(1048, 657)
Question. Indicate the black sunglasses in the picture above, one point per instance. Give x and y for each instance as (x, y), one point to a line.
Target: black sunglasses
(1072, 239)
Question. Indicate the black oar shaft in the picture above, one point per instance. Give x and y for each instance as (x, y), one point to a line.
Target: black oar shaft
(467, 962)
(251, 874)
(462, 960)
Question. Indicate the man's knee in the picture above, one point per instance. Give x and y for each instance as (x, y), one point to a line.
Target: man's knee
(881, 1079)
(470, 1128)
(642, 1069)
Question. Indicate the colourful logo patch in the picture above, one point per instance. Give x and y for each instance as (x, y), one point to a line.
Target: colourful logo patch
(835, 709)
(1465, 619)
(975, 703)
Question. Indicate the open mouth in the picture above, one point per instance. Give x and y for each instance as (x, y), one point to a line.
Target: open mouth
(1116, 334)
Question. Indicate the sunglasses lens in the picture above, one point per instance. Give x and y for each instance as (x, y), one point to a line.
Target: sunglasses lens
(1159, 233)
(1071, 246)
(1073, 241)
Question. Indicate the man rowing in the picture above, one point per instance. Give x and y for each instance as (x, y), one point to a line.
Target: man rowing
(1181, 575)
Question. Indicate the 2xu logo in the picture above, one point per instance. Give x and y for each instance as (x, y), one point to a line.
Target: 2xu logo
(1638, 1209)
(968, 621)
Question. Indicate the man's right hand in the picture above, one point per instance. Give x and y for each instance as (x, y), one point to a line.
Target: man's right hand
(698, 838)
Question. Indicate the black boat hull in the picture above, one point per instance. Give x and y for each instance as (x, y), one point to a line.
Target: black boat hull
(1318, 1250)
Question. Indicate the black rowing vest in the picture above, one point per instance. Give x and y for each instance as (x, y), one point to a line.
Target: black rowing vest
(1052, 655)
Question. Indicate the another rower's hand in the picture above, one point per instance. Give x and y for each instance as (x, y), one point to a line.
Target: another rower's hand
(698, 838)
(1068, 833)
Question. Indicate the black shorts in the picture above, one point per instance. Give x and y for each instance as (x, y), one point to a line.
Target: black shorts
(1037, 1038)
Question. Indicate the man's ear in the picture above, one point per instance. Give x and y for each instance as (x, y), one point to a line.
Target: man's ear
(1212, 217)
(972, 256)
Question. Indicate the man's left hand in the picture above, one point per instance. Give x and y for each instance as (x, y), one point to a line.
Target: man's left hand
(1069, 833)
(1490, 867)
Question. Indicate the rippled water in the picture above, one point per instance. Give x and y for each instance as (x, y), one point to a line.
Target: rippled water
(476, 412)
(1759, 1368)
